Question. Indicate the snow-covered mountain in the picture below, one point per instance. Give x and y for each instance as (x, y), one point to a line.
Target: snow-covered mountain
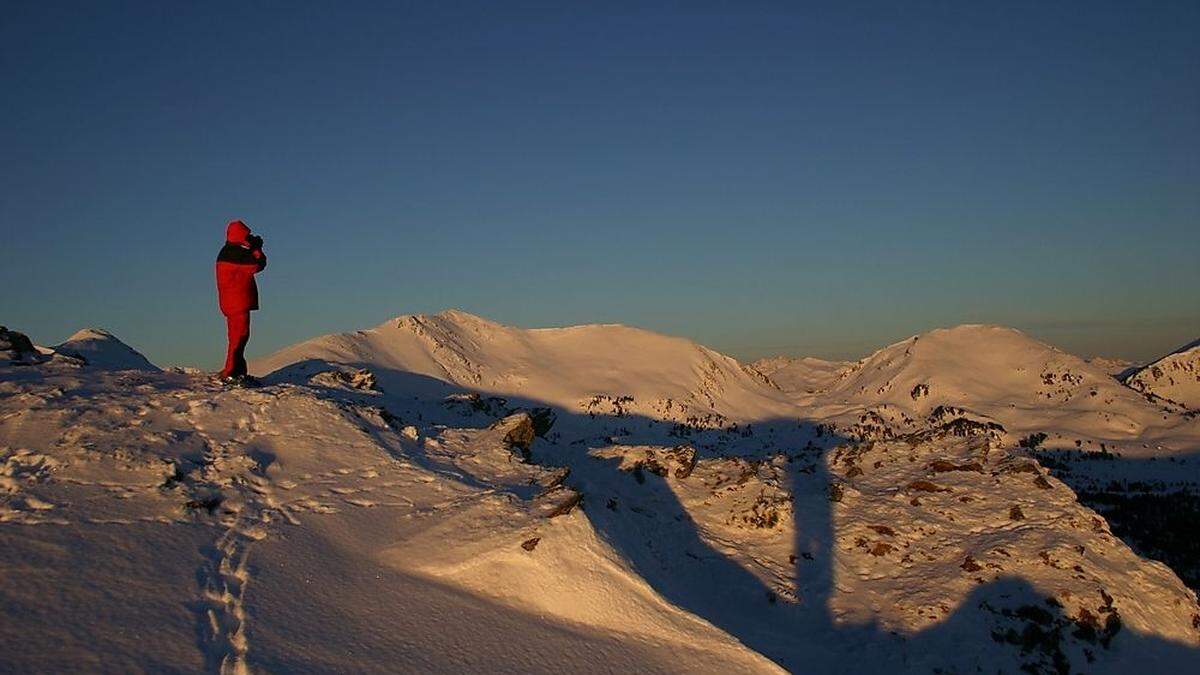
(800, 375)
(382, 505)
(100, 349)
(1002, 375)
(1175, 377)
(595, 368)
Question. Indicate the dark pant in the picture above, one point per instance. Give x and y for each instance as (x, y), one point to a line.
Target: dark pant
(238, 326)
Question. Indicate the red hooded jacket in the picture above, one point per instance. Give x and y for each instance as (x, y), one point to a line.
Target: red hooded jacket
(237, 263)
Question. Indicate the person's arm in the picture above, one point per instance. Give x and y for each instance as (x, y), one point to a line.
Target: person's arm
(240, 255)
(256, 244)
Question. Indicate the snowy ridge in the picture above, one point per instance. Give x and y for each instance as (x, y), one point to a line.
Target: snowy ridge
(1002, 375)
(284, 483)
(573, 368)
(384, 504)
(1175, 377)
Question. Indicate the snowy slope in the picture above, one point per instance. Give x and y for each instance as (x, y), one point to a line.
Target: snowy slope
(1175, 377)
(800, 375)
(904, 548)
(101, 349)
(1002, 375)
(581, 368)
(338, 533)
(349, 517)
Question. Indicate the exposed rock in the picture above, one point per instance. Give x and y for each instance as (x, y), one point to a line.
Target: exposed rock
(942, 466)
(553, 478)
(518, 431)
(558, 502)
(543, 419)
(767, 511)
(469, 403)
(963, 427)
(1032, 441)
(18, 348)
(1017, 465)
(685, 459)
(356, 378)
(678, 461)
(530, 544)
(926, 486)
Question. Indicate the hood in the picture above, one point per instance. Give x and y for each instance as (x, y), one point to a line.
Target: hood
(236, 232)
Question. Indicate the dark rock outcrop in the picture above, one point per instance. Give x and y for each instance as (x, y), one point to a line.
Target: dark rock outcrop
(17, 348)
(518, 431)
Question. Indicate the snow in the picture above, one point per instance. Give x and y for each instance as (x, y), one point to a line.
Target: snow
(554, 366)
(100, 349)
(444, 493)
(801, 375)
(1000, 374)
(1175, 377)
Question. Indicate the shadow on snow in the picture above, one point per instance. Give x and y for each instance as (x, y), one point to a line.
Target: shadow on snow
(649, 527)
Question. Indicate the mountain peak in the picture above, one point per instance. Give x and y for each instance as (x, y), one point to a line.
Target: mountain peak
(92, 334)
(460, 314)
(972, 331)
(101, 349)
(451, 316)
(978, 362)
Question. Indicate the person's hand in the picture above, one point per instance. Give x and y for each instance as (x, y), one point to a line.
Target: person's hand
(255, 241)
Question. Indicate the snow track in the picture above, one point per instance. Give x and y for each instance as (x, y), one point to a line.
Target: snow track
(225, 577)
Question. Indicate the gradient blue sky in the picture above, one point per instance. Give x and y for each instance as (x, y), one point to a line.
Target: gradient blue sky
(762, 177)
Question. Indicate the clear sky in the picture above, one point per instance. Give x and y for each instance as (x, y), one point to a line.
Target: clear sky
(765, 178)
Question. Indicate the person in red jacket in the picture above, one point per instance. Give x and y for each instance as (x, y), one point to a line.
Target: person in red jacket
(239, 260)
